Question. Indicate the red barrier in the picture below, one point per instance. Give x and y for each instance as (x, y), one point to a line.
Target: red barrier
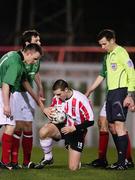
(61, 50)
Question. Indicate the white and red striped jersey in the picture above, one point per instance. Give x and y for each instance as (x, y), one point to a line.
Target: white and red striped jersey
(77, 108)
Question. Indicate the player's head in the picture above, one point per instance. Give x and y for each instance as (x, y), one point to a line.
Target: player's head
(106, 38)
(60, 89)
(32, 53)
(30, 36)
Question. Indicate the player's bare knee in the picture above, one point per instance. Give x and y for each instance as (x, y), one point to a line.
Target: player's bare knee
(103, 126)
(73, 167)
(27, 126)
(42, 133)
(9, 129)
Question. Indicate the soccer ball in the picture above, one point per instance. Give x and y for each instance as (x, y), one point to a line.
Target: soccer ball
(58, 117)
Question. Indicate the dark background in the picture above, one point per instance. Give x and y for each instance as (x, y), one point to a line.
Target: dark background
(49, 17)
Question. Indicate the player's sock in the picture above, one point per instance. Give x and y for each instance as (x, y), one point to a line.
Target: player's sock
(115, 139)
(103, 143)
(122, 148)
(15, 146)
(129, 150)
(27, 142)
(6, 148)
(46, 145)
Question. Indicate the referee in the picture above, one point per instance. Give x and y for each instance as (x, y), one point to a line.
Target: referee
(121, 85)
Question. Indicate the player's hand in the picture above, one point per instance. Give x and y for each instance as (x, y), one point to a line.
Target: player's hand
(68, 129)
(132, 109)
(7, 111)
(48, 111)
(128, 102)
(41, 93)
(41, 99)
(87, 94)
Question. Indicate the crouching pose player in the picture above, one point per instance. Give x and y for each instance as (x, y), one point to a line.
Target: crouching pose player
(79, 116)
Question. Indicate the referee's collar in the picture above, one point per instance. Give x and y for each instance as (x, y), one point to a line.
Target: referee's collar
(20, 53)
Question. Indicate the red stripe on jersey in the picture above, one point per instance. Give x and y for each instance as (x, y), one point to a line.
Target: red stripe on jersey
(56, 101)
(84, 115)
(73, 107)
(66, 108)
(69, 123)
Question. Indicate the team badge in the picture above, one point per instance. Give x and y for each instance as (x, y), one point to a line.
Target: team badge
(11, 118)
(130, 63)
(114, 66)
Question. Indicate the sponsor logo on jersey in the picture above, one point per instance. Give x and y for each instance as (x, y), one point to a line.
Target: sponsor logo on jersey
(130, 63)
(11, 118)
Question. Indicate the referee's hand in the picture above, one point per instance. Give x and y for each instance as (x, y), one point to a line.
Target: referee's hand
(128, 102)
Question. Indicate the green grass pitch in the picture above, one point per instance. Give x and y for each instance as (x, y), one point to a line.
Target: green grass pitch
(59, 170)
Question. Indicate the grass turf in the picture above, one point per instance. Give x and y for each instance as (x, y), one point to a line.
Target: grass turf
(59, 170)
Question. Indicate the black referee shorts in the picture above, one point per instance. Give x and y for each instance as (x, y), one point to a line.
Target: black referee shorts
(114, 105)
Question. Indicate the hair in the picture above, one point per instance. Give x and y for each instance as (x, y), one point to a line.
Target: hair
(60, 84)
(107, 33)
(33, 46)
(27, 35)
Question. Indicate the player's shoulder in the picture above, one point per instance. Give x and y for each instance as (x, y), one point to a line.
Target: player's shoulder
(10, 57)
(79, 95)
(121, 50)
(13, 56)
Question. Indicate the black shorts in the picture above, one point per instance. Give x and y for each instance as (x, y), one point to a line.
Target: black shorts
(75, 139)
(114, 105)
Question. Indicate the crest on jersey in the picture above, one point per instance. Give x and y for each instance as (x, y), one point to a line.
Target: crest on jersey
(114, 66)
(130, 63)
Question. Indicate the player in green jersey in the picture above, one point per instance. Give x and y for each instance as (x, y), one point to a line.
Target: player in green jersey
(24, 122)
(12, 73)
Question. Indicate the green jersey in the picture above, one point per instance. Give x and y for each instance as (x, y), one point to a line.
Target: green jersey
(12, 70)
(31, 70)
(120, 70)
(103, 71)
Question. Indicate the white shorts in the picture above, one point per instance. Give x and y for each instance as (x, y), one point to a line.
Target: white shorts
(103, 110)
(24, 106)
(3, 119)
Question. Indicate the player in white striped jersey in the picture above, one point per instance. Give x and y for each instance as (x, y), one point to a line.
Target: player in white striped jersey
(79, 116)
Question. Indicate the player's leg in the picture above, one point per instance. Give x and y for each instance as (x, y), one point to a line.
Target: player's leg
(46, 145)
(47, 133)
(9, 124)
(116, 115)
(6, 145)
(129, 158)
(24, 114)
(129, 150)
(18, 116)
(16, 143)
(74, 158)
(27, 142)
(74, 142)
(103, 139)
